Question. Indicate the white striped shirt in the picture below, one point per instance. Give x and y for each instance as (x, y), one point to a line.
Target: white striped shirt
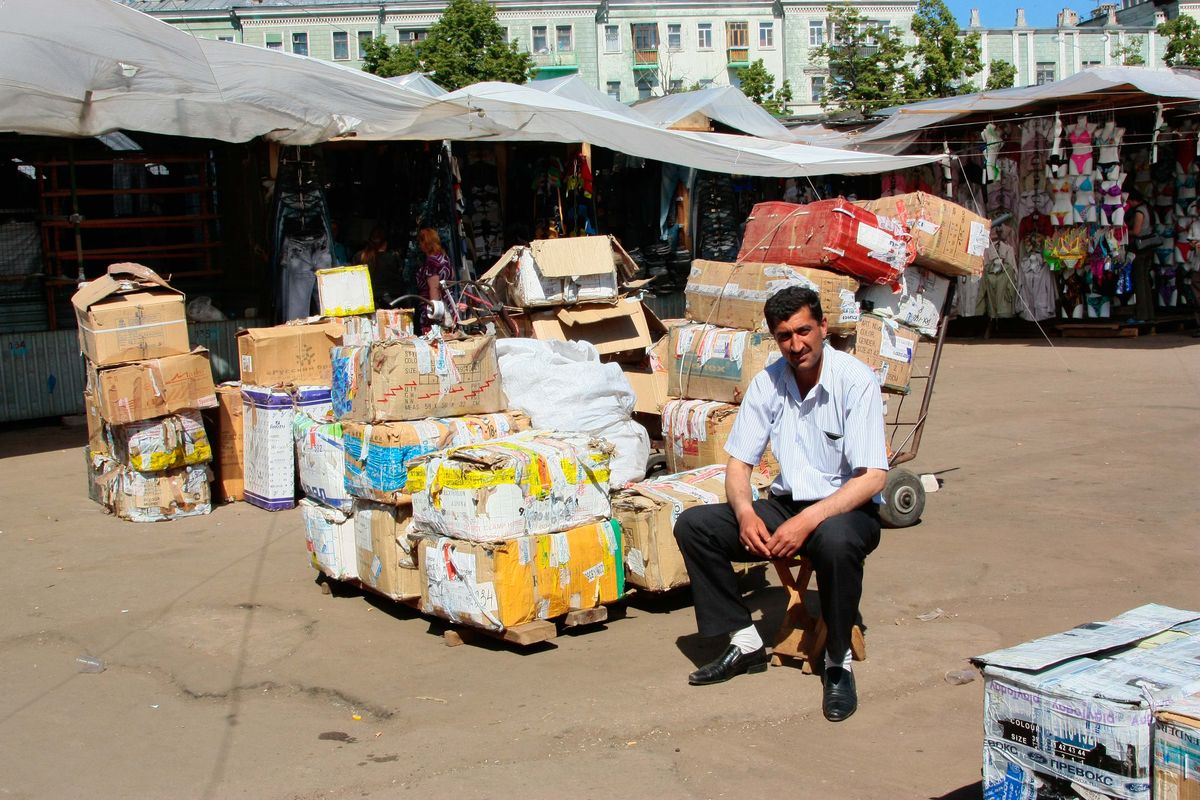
(820, 440)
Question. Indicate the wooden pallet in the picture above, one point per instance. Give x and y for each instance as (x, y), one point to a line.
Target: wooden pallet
(529, 633)
(1098, 330)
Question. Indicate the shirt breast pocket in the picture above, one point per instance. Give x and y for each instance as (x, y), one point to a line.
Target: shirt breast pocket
(827, 450)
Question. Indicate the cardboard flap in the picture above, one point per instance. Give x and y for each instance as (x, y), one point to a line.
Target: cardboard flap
(139, 277)
(569, 258)
(595, 313)
(511, 256)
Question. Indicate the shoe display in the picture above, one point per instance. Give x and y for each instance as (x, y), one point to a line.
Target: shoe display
(841, 696)
(730, 663)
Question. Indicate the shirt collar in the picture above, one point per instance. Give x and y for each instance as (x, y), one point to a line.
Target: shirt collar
(824, 380)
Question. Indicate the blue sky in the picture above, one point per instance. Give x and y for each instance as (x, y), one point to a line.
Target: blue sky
(1002, 13)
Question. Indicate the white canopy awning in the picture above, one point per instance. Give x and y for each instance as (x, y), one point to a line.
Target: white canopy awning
(576, 88)
(725, 104)
(418, 83)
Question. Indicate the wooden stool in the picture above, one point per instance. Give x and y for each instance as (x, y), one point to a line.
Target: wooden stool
(801, 635)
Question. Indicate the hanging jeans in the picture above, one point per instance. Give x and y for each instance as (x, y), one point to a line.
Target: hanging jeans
(301, 257)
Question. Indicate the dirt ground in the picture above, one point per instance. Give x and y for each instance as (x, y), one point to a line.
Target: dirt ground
(1069, 496)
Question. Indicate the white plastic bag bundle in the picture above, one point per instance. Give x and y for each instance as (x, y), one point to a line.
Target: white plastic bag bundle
(563, 386)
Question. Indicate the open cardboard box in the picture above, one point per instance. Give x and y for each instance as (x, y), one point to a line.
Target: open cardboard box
(551, 272)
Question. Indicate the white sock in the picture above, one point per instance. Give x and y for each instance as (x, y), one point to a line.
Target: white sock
(846, 662)
(747, 639)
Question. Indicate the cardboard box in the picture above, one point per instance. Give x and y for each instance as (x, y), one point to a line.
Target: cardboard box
(386, 563)
(888, 348)
(97, 438)
(552, 272)
(918, 303)
(329, 535)
(224, 424)
(153, 388)
(95, 462)
(321, 461)
(694, 436)
(623, 330)
(649, 388)
(151, 496)
(733, 295)
(129, 314)
(377, 455)
(156, 445)
(415, 378)
(949, 238)
(705, 362)
(288, 354)
(1077, 708)
(385, 325)
(501, 584)
(345, 291)
(528, 483)
(1177, 751)
(268, 415)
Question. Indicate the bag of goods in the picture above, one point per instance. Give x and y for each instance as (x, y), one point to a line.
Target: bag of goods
(156, 445)
(329, 534)
(151, 496)
(321, 461)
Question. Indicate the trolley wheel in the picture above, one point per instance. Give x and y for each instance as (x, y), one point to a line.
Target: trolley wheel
(656, 464)
(904, 499)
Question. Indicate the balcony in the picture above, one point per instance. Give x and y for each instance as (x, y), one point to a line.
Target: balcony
(738, 56)
(555, 63)
(645, 59)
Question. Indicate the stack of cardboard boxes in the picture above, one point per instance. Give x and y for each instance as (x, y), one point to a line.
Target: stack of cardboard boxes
(147, 446)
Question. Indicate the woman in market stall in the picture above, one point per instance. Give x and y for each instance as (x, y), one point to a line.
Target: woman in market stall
(1141, 231)
(435, 270)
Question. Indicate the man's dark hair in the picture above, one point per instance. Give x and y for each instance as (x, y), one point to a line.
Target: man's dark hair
(787, 301)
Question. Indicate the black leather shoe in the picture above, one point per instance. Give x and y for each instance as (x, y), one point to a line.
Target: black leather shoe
(841, 697)
(732, 662)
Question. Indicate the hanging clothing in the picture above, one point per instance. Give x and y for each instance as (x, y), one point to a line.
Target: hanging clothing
(1000, 281)
(1037, 288)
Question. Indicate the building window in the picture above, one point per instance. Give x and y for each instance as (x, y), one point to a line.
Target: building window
(705, 83)
(612, 39)
(1045, 72)
(274, 41)
(674, 36)
(539, 39)
(504, 35)
(224, 38)
(643, 90)
(645, 36)
(766, 34)
(341, 46)
(300, 44)
(818, 88)
(737, 34)
(411, 35)
(816, 33)
(676, 85)
(704, 36)
(564, 40)
(364, 38)
(613, 88)
(1090, 64)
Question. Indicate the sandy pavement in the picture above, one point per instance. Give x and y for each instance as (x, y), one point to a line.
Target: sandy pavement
(1070, 495)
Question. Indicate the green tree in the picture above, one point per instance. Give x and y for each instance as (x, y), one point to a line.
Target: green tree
(1130, 53)
(466, 45)
(1183, 41)
(1001, 75)
(944, 60)
(757, 83)
(866, 64)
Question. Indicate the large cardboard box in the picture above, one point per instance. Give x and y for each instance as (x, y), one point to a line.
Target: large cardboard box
(329, 535)
(622, 330)
(949, 238)
(288, 354)
(415, 378)
(321, 461)
(386, 562)
(1077, 708)
(552, 272)
(705, 362)
(268, 415)
(501, 584)
(345, 291)
(917, 302)
(377, 455)
(528, 483)
(888, 348)
(225, 428)
(97, 435)
(695, 432)
(128, 314)
(150, 496)
(153, 388)
(1177, 751)
(733, 295)
(157, 445)
(649, 388)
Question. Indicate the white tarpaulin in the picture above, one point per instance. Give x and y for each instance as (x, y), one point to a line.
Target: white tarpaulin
(579, 90)
(724, 104)
(99, 66)
(418, 83)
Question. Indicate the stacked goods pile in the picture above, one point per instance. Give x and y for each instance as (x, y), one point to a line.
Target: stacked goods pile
(147, 446)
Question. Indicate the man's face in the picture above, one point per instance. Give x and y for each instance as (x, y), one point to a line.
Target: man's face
(800, 339)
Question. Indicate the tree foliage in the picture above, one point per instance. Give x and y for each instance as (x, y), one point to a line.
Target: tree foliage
(866, 64)
(1130, 53)
(758, 84)
(944, 60)
(1001, 75)
(1183, 41)
(466, 45)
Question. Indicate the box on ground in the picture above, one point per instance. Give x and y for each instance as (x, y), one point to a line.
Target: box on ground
(384, 325)
(386, 563)
(150, 496)
(1077, 708)
(528, 483)
(733, 295)
(268, 417)
(710, 363)
(949, 239)
(551, 272)
(377, 455)
(224, 424)
(917, 304)
(321, 462)
(288, 354)
(329, 534)
(888, 348)
(156, 445)
(97, 439)
(345, 291)
(128, 314)
(415, 378)
(622, 330)
(153, 388)
(694, 436)
(501, 584)
(1177, 751)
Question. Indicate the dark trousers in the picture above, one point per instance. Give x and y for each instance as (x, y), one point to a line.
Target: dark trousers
(708, 535)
